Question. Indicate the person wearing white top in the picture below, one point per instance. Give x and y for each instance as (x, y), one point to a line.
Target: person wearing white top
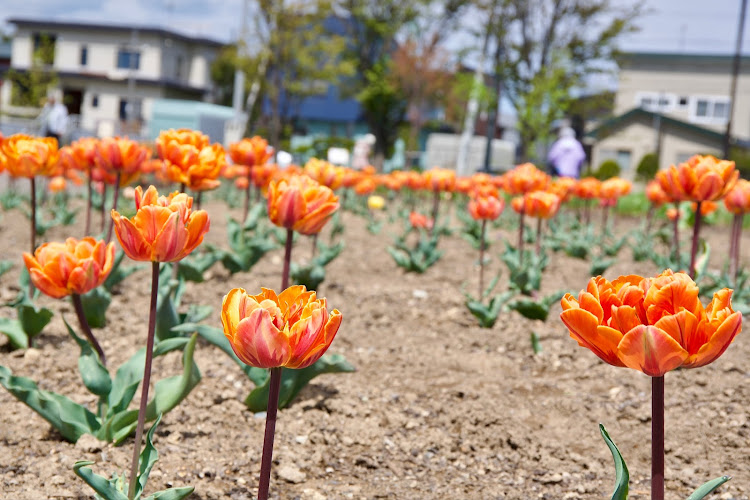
(55, 119)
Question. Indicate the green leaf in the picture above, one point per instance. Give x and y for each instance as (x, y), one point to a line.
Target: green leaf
(216, 337)
(94, 375)
(95, 305)
(147, 459)
(483, 313)
(622, 477)
(170, 391)
(166, 315)
(310, 275)
(33, 319)
(536, 346)
(292, 381)
(172, 494)
(709, 487)
(599, 266)
(70, 419)
(531, 309)
(13, 329)
(118, 273)
(5, 266)
(101, 485)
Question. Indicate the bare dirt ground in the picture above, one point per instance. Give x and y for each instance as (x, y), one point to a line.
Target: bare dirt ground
(438, 408)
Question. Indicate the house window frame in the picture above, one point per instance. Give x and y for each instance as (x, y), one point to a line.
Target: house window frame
(656, 97)
(83, 55)
(123, 52)
(709, 119)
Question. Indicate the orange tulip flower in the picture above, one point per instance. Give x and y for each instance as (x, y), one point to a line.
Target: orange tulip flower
(673, 214)
(656, 194)
(701, 178)
(301, 204)
(614, 188)
(562, 187)
(540, 204)
(27, 156)
(524, 179)
(325, 173)
(190, 160)
(587, 188)
(164, 228)
(440, 179)
(291, 330)
(485, 207)
(61, 269)
(414, 180)
(365, 186)
(653, 325)
(737, 200)
(121, 155)
(57, 184)
(250, 152)
(419, 221)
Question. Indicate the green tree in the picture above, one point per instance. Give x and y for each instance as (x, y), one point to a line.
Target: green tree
(545, 47)
(30, 87)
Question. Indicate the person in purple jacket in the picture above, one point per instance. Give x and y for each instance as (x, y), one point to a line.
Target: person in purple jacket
(566, 155)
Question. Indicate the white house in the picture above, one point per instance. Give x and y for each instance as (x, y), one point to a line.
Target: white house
(110, 74)
(677, 104)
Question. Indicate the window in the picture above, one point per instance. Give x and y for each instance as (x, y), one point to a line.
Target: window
(179, 67)
(95, 101)
(84, 59)
(683, 102)
(125, 108)
(656, 101)
(710, 109)
(128, 59)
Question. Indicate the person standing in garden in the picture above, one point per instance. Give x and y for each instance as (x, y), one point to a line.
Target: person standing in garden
(54, 118)
(566, 155)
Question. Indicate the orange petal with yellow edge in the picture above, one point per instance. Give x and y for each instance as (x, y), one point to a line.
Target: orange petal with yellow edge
(601, 340)
(718, 343)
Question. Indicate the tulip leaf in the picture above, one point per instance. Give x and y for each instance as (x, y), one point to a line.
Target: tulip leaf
(101, 485)
(709, 487)
(600, 266)
(529, 308)
(292, 381)
(166, 315)
(310, 275)
(170, 391)
(536, 345)
(119, 273)
(172, 494)
(216, 337)
(94, 375)
(622, 477)
(147, 459)
(12, 329)
(95, 304)
(70, 419)
(33, 319)
(5, 266)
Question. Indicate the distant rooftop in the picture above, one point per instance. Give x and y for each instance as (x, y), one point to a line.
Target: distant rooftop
(680, 57)
(122, 28)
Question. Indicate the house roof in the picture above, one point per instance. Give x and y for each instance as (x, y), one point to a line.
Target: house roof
(118, 28)
(679, 57)
(609, 126)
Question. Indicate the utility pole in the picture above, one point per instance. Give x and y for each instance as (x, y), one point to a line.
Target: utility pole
(462, 167)
(238, 93)
(494, 112)
(735, 74)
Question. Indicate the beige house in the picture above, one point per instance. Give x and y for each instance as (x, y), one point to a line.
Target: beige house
(676, 104)
(110, 73)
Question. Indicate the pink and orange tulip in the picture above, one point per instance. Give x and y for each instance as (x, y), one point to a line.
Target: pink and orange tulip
(737, 200)
(701, 178)
(301, 204)
(485, 207)
(27, 156)
(164, 228)
(291, 330)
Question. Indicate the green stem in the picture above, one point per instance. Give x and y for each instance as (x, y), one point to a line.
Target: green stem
(657, 438)
(146, 379)
(676, 236)
(78, 306)
(115, 196)
(481, 260)
(271, 410)
(520, 236)
(89, 191)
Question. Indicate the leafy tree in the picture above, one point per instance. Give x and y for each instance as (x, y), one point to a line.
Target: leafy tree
(384, 105)
(29, 88)
(647, 167)
(546, 49)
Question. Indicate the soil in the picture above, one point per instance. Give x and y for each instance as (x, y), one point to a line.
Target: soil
(438, 407)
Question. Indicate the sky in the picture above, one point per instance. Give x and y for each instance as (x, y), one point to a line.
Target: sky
(669, 26)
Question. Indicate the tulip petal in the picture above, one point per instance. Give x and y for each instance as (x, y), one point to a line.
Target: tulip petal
(231, 308)
(259, 343)
(47, 285)
(651, 350)
(585, 329)
(718, 343)
(683, 328)
(131, 240)
(170, 242)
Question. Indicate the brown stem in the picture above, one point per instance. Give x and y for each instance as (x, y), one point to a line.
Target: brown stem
(271, 410)
(314, 245)
(539, 236)
(520, 236)
(246, 208)
(649, 218)
(735, 257)
(115, 196)
(694, 247)
(78, 306)
(287, 259)
(481, 260)
(198, 199)
(657, 438)
(90, 189)
(33, 214)
(146, 378)
(103, 207)
(676, 236)
(605, 218)
(435, 211)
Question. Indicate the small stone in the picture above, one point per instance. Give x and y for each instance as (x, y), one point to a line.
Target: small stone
(89, 444)
(553, 479)
(32, 354)
(291, 474)
(420, 294)
(310, 494)
(300, 439)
